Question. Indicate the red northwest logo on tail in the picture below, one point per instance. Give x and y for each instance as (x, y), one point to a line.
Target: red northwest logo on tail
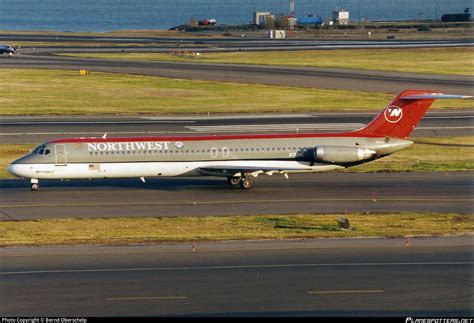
(393, 114)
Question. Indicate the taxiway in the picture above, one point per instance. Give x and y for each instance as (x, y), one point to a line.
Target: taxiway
(323, 277)
(438, 192)
(31, 129)
(345, 79)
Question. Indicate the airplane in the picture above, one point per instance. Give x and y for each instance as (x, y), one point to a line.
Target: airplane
(7, 49)
(239, 158)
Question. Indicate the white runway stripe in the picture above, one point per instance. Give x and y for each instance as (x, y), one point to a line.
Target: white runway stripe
(277, 127)
(232, 117)
(261, 266)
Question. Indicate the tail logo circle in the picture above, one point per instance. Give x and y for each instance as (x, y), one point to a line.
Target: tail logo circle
(393, 114)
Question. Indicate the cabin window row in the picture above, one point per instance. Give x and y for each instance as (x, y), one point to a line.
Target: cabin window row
(192, 151)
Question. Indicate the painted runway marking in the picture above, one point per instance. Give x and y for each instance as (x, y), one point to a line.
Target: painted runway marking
(282, 128)
(184, 202)
(277, 127)
(35, 123)
(463, 127)
(90, 133)
(145, 298)
(355, 291)
(233, 117)
(120, 270)
(452, 117)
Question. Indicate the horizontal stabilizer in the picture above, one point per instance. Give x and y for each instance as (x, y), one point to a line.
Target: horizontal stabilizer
(435, 96)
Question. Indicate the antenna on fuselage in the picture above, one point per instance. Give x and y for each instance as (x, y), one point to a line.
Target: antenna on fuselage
(104, 136)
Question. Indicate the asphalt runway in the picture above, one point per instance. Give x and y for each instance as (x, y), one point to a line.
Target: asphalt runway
(347, 79)
(22, 129)
(344, 79)
(236, 45)
(437, 192)
(256, 42)
(324, 277)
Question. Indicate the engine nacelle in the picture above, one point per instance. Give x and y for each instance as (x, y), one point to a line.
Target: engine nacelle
(335, 154)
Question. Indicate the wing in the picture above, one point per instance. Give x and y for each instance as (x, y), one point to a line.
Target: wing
(238, 170)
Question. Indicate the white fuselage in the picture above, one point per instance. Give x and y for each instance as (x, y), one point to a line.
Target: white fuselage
(150, 169)
(226, 156)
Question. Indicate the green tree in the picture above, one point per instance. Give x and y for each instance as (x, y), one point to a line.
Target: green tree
(269, 22)
(193, 23)
(281, 21)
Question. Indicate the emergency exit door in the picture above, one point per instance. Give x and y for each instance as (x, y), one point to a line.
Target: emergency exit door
(60, 152)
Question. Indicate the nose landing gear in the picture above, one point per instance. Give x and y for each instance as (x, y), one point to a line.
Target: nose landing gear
(34, 184)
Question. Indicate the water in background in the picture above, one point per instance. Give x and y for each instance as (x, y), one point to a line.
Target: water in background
(107, 15)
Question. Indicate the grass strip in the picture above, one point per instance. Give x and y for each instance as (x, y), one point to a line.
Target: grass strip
(427, 154)
(212, 228)
(442, 154)
(44, 92)
(455, 61)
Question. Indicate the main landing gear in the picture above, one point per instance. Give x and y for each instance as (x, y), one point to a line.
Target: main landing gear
(34, 184)
(233, 181)
(243, 182)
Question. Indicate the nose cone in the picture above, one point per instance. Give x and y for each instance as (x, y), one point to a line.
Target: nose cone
(19, 168)
(15, 169)
(11, 169)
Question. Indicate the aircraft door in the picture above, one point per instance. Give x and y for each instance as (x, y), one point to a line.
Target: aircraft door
(60, 152)
(213, 152)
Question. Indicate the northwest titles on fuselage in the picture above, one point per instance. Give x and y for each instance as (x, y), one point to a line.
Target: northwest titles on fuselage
(129, 146)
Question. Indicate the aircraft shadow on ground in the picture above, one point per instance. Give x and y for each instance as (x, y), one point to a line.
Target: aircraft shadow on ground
(176, 184)
(165, 184)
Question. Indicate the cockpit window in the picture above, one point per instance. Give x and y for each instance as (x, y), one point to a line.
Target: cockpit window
(39, 149)
(47, 151)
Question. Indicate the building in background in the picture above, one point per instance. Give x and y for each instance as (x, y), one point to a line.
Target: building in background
(310, 21)
(276, 34)
(340, 17)
(259, 17)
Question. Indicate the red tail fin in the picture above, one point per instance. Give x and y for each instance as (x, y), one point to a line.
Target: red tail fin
(402, 115)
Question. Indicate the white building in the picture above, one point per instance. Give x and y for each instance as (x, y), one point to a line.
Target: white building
(340, 17)
(259, 17)
(276, 34)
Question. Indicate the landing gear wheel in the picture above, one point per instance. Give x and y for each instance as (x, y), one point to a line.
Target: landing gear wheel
(245, 183)
(233, 181)
(34, 186)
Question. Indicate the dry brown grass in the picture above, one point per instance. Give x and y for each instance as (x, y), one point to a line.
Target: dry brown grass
(211, 228)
